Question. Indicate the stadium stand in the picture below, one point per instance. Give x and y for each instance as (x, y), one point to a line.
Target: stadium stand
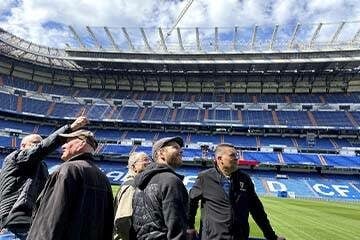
(295, 108)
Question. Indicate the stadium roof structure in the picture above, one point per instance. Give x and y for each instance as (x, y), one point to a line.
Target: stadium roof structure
(143, 58)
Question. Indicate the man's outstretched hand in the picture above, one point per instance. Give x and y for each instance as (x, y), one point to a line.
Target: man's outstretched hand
(79, 123)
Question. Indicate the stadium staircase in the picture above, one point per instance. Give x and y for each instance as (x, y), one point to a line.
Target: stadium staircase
(322, 99)
(76, 93)
(188, 138)
(19, 104)
(354, 186)
(222, 139)
(142, 114)
(1, 81)
(50, 109)
(133, 149)
(13, 142)
(322, 160)
(99, 148)
(106, 94)
(241, 154)
(36, 129)
(352, 119)
(135, 96)
(275, 118)
(156, 137)
(295, 142)
(311, 118)
(265, 185)
(111, 113)
(281, 159)
(40, 89)
(206, 114)
(258, 144)
(239, 115)
(123, 136)
(254, 99)
(221, 97)
(166, 116)
(174, 113)
(163, 97)
(288, 99)
(336, 146)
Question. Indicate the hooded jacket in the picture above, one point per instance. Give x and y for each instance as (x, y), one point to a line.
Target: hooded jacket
(160, 204)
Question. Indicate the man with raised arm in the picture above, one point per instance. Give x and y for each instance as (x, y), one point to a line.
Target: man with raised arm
(23, 176)
(77, 200)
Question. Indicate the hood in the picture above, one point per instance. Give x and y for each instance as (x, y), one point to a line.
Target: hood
(142, 180)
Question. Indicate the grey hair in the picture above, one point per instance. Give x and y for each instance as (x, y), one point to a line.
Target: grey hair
(219, 148)
(136, 156)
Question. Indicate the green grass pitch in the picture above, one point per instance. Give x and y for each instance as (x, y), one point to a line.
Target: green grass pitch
(308, 219)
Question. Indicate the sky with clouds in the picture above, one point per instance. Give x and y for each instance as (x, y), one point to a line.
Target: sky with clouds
(45, 22)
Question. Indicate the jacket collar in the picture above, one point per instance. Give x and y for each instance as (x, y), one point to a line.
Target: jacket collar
(82, 156)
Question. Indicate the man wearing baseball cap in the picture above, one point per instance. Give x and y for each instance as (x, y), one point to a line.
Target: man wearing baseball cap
(77, 201)
(160, 200)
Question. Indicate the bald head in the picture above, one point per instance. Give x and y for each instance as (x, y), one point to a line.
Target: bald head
(29, 141)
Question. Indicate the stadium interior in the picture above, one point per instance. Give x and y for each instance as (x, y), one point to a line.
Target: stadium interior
(291, 108)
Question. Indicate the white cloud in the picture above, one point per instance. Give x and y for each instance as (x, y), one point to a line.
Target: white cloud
(4, 5)
(27, 18)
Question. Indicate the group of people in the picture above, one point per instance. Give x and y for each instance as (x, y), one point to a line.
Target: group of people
(76, 201)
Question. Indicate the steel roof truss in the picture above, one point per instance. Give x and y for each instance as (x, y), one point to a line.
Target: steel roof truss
(93, 36)
(108, 33)
(145, 39)
(131, 46)
(315, 35)
(336, 34)
(253, 38)
(180, 39)
(273, 37)
(162, 40)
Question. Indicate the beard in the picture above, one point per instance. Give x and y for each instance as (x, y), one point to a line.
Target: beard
(175, 160)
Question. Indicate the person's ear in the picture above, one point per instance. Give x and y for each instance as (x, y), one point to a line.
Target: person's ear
(161, 154)
(82, 145)
(218, 159)
(22, 145)
(133, 168)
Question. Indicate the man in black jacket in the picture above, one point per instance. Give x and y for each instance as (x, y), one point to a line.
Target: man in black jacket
(227, 197)
(160, 200)
(77, 201)
(22, 178)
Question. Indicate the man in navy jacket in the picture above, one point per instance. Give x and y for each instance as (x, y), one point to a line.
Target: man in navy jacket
(227, 197)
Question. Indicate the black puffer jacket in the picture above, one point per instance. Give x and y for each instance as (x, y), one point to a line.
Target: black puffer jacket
(23, 176)
(160, 204)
